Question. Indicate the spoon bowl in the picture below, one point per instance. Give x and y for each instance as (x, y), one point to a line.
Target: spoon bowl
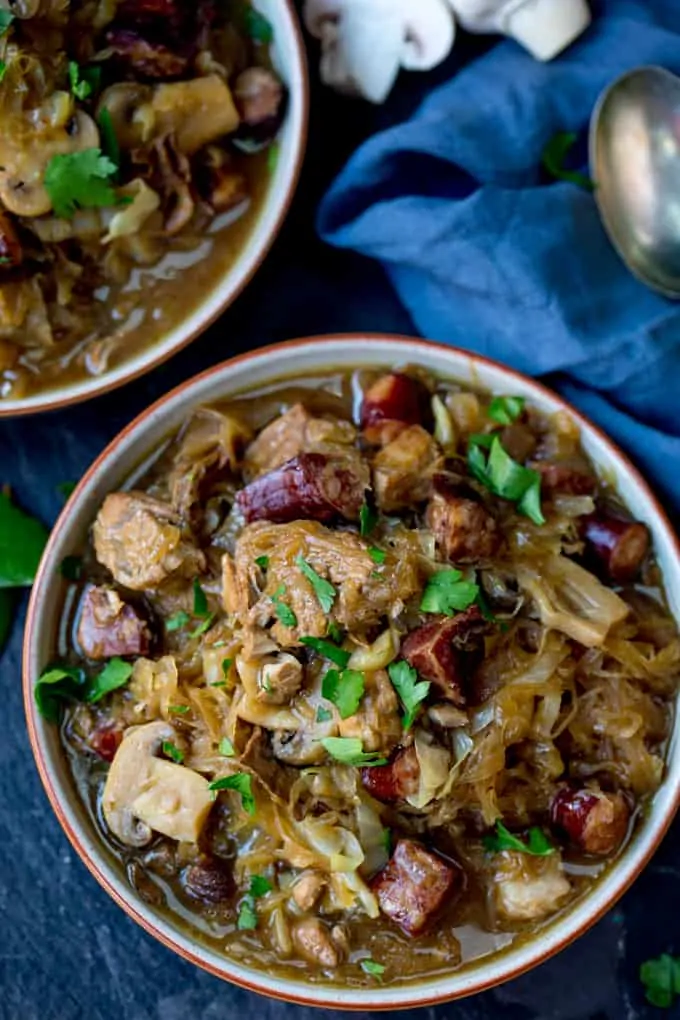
(635, 161)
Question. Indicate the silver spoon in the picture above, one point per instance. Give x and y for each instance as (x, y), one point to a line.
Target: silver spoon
(635, 161)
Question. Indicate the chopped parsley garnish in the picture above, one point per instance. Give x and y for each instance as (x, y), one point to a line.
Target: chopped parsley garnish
(262, 562)
(6, 20)
(368, 519)
(344, 689)
(226, 666)
(258, 27)
(115, 674)
(217, 683)
(108, 137)
(485, 608)
(335, 632)
(84, 81)
(323, 715)
(226, 748)
(376, 970)
(177, 621)
(447, 593)
(505, 477)
(203, 626)
(71, 567)
(324, 590)
(79, 180)
(506, 410)
(328, 650)
(3, 72)
(350, 751)
(282, 611)
(411, 691)
(200, 600)
(247, 917)
(172, 751)
(56, 686)
(241, 782)
(22, 540)
(377, 555)
(554, 157)
(537, 843)
(661, 978)
(65, 488)
(178, 709)
(386, 840)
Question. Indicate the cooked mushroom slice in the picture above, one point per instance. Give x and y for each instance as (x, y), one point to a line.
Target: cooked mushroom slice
(196, 112)
(128, 106)
(144, 793)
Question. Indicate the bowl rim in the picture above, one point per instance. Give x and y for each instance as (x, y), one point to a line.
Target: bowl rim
(51, 400)
(305, 995)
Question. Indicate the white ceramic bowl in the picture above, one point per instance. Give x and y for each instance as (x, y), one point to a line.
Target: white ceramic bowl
(288, 54)
(125, 453)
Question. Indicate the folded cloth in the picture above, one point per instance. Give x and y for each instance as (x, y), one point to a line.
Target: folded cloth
(489, 255)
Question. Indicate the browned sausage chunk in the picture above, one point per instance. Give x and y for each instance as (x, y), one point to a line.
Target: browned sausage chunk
(465, 532)
(396, 780)
(210, 881)
(105, 741)
(107, 626)
(414, 885)
(446, 650)
(596, 822)
(392, 403)
(309, 487)
(620, 546)
(564, 479)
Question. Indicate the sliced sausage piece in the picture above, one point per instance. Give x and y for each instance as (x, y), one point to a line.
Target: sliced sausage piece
(403, 469)
(315, 942)
(210, 881)
(464, 531)
(392, 403)
(309, 487)
(565, 479)
(595, 821)
(620, 546)
(143, 541)
(414, 885)
(446, 650)
(395, 781)
(107, 626)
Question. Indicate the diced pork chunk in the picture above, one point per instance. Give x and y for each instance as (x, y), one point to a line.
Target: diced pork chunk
(293, 433)
(391, 404)
(311, 486)
(376, 723)
(527, 888)
(280, 678)
(562, 478)
(308, 888)
(403, 470)
(595, 821)
(465, 532)
(142, 541)
(316, 942)
(446, 650)
(395, 781)
(415, 885)
(107, 626)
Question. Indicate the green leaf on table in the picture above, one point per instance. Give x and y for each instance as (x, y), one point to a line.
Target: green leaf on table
(345, 689)
(22, 540)
(412, 692)
(323, 589)
(506, 410)
(537, 843)
(447, 593)
(554, 157)
(661, 978)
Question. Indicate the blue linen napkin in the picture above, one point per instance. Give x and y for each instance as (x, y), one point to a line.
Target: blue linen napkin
(488, 255)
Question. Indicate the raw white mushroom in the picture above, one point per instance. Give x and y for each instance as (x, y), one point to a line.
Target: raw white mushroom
(544, 27)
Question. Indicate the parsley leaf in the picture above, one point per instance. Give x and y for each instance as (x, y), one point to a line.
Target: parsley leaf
(324, 590)
(537, 843)
(57, 685)
(258, 27)
(71, 567)
(386, 840)
(377, 555)
(115, 674)
(226, 666)
(335, 632)
(345, 689)
(350, 751)
(661, 978)
(554, 156)
(283, 612)
(3, 72)
(200, 600)
(226, 748)
(506, 410)
(177, 621)
(371, 967)
(203, 626)
(260, 886)
(506, 478)
(178, 709)
(22, 540)
(242, 783)
(6, 614)
(84, 81)
(323, 715)
(447, 593)
(109, 141)
(79, 180)
(411, 691)
(247, 917)
(328, 650)
(172, 751)
(262, 562)
(368, 519)
(6, 20)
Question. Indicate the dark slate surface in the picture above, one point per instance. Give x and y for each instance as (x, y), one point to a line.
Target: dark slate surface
(66, 951)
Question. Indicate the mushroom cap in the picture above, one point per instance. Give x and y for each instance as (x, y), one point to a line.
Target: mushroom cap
(430, 33)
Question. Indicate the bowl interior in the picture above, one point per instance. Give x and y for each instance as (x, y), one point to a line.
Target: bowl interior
(127, 453)
(289, 60)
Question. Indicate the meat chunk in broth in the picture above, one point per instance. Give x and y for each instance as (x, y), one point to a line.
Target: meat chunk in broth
(465, 532)
(293, 433)
(108, 626)
(527, 888)
(415, 885)
(403, 470)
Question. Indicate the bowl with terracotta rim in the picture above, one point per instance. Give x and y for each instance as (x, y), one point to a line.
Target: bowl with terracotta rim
(289, 58)
(125, 454)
